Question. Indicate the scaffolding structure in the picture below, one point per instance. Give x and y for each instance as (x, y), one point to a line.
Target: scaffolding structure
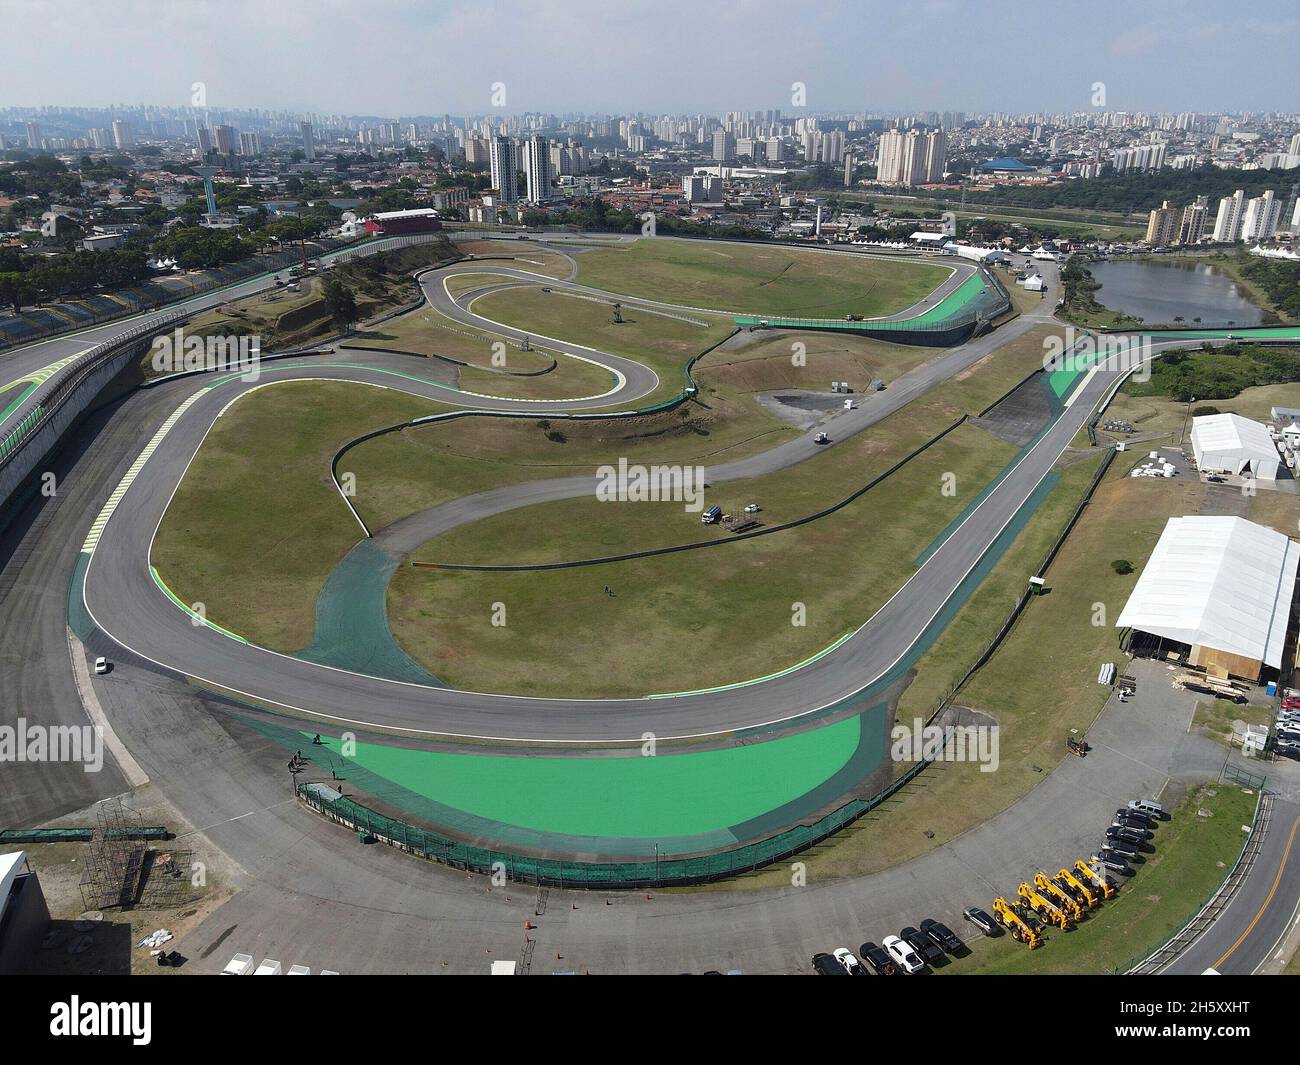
(115, 859)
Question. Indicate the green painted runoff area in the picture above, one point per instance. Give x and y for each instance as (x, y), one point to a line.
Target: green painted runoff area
(963, 296)
(638, 797)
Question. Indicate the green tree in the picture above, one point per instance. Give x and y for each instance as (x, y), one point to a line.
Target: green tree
(341, 303)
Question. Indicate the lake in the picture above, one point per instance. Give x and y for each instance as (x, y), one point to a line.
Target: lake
(1158, 292)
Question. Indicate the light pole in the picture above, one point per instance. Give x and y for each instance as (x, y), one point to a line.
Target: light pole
(1186, 415)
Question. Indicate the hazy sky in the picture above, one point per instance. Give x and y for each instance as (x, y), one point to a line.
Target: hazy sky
(395, 57)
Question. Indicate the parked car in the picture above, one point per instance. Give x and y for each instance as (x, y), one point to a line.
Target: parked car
(875, 959)
(980, 920)
(1130, 824)
(1126, 834)
(1132, 820)
(1126, 851)
(1147, 806)
(101, 665)
(850, 962)
(828, 965)
(942, 936)
(930, 951)
(903, 955)
(1112, 861)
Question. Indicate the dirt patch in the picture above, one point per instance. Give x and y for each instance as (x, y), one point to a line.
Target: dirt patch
(99, 942)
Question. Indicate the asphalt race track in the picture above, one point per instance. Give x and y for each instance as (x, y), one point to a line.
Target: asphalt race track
(133, 613)
(126, 605)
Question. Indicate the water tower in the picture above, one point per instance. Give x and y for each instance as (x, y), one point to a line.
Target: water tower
(207, 173)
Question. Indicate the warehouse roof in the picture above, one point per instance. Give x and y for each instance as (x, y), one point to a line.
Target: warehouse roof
(1220, 582)
(1219, 433)
(413, 212)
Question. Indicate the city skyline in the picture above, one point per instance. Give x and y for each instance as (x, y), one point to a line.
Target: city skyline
(662, 58)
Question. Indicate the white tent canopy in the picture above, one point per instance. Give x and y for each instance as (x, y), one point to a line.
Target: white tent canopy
(1218, 582)
(1233, 443)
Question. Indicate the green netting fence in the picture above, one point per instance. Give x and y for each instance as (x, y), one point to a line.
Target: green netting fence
(79, 835)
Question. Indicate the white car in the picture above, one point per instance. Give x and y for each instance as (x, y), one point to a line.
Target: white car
(753, 508)
(101, 665)
(907, 959)
(850, 962)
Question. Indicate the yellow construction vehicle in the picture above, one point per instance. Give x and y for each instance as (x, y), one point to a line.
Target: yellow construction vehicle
(1069, 880)
(1048, 911)
(1089, 874)
(1014, 925)
(1063, 899)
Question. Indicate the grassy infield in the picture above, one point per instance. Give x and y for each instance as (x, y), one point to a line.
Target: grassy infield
(1035, 687)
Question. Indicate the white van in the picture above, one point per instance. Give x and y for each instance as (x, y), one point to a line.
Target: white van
(1147, 806)
(239, 965)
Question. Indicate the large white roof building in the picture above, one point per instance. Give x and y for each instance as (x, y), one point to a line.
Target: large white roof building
(1221, 585)
(1232, 444)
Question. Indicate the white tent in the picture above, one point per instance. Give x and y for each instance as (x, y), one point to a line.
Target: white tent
(10, 866)
(1233, 444)
(1222, 583)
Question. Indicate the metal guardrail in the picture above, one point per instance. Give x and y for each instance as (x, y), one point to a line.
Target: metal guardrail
(1218, 900)
(266, 264)
(69, 379)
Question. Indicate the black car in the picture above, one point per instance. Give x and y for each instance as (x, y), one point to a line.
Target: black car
(1137, 817)
(943, 936)
(930, 951)
(1126, 834)
(980, 920)
(1124, 851)
(1112, 861)
(875, 959)
(828, 965)
(1135, 826)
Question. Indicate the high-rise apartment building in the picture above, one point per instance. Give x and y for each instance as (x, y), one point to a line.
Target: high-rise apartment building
(308, 141)
(1191, 228)
(1227, 223)
(1260, 218)
(912, 158)
(505, 175)
(1162, 225)
(226, 139)
(537, 168)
